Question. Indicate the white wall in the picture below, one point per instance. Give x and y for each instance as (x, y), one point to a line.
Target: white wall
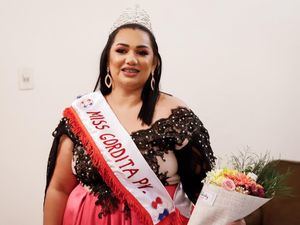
(236, 63)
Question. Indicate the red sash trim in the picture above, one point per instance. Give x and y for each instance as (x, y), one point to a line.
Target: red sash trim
(107, 174)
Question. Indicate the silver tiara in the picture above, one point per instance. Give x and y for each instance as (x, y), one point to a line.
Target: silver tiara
(134, 15)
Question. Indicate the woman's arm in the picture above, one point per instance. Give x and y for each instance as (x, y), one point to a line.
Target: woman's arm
(62, 183)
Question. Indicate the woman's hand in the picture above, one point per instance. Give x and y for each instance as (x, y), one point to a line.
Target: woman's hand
(238, 222)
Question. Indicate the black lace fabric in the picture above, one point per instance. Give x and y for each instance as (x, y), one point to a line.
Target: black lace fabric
(89, 177)
(182, 132)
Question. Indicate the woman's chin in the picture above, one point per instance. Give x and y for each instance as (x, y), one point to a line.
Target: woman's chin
(132, 84)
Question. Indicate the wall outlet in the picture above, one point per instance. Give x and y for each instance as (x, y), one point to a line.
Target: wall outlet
(25, 76)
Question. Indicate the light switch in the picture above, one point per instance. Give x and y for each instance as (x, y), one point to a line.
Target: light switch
(26, 78)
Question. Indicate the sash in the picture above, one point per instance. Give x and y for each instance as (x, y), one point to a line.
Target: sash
(120, 163)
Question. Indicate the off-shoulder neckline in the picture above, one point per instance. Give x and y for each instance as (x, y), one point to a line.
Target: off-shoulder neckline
(173, 111)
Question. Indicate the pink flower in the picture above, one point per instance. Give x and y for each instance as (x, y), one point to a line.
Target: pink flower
(228, 184)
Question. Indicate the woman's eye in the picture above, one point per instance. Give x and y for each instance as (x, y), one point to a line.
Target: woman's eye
(143, 53)
(120, 50)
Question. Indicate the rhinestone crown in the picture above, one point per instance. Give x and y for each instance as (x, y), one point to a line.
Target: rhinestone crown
(134, 15)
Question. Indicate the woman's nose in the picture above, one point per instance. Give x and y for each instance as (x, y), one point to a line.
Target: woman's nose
(131, 59)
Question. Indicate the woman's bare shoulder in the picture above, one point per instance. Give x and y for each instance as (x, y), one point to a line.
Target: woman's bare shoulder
(166, 103)
(170, 101)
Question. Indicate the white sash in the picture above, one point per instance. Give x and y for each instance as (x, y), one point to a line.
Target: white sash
(125, 160)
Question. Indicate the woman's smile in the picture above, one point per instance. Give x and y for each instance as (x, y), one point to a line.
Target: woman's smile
(130, 71)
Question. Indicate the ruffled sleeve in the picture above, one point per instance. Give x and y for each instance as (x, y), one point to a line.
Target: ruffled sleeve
(62, 128)
(195, 156)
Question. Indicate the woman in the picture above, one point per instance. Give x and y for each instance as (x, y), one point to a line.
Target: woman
(127, 154)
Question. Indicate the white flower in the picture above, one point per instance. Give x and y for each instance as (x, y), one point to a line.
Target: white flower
(253, 176)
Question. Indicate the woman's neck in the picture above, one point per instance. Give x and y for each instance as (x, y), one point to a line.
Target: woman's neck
(124, 99)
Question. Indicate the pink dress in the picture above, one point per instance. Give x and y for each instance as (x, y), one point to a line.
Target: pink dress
(81, 209)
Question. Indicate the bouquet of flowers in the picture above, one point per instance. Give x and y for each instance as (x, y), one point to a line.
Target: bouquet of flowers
(230, 194)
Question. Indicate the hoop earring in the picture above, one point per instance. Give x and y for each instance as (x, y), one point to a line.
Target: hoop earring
(152, 81)
(108, 79)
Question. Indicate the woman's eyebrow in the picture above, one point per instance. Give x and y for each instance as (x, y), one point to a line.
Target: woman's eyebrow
(142, 46)
(126, 45)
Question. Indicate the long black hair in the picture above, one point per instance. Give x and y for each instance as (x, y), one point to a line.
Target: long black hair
(149, 97)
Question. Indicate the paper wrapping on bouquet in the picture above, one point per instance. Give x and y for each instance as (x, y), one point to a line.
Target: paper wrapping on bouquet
(217, 206)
